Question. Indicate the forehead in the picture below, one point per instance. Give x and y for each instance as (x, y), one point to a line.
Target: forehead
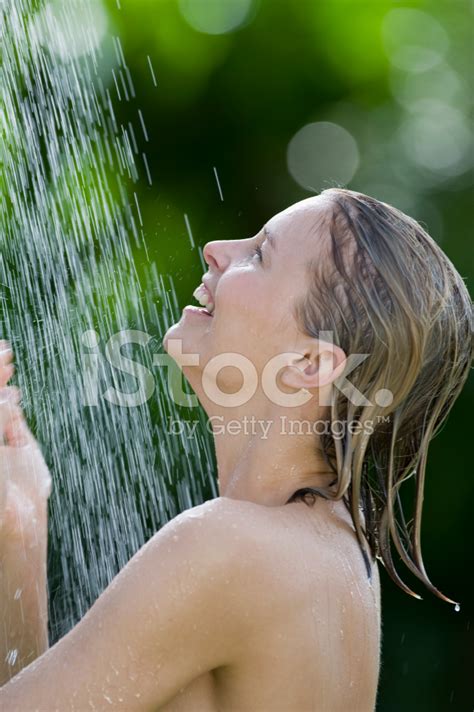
(301, 224)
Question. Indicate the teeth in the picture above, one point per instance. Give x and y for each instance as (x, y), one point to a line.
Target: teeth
(202, 296)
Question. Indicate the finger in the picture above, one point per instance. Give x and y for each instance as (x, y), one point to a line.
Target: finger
(6, 367)
(16, 431)
(6, 353)
(9, 394)
(6, 372)
(13, 428)
(7, 404)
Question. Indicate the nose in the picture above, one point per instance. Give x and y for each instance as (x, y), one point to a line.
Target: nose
(214, 254)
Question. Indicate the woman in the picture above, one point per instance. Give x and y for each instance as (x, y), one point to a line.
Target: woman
(333, 346)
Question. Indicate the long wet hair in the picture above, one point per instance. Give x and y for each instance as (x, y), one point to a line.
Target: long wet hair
(386, 289)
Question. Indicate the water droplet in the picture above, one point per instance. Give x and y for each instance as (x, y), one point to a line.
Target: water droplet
(457, 607)
(12, 656)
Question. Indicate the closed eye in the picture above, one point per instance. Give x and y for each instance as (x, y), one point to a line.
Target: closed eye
(258, 252)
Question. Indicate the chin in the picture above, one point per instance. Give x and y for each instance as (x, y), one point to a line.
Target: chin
(170, 334)
(188, 334)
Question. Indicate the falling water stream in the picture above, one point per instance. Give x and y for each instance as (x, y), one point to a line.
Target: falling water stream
(71, 234)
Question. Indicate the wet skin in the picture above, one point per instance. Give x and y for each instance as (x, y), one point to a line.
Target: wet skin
(314, 633)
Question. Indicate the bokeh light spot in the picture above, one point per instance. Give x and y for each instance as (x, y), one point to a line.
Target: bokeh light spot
(414, 41)
(215, 17)
(383, 397)
(322, 154)
(437, 136)
(440, 82)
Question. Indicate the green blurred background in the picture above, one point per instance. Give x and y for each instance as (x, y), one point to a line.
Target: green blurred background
(239, 108)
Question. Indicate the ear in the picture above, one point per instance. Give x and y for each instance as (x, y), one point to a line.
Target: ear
(320, 364)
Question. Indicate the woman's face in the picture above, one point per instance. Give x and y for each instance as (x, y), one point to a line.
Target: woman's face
(254, 283)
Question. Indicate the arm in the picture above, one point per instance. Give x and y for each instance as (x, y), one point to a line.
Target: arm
(25, 484)
(172, 613)
(23, 598)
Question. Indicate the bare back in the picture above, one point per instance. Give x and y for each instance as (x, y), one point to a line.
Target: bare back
(316, 646)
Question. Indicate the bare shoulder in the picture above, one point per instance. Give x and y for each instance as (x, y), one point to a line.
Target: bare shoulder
(218, 507)
(277, 548)
(233, 543)
(227, 549)
(261, 554)
(230, 530)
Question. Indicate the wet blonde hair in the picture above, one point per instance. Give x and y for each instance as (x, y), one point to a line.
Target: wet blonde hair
(390, 292)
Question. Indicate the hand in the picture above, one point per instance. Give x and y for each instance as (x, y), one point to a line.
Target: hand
(25, 481)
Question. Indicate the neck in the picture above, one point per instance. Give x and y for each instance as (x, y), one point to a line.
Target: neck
(265, 458)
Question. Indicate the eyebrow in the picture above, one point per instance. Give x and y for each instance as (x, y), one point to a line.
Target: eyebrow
(270, 237)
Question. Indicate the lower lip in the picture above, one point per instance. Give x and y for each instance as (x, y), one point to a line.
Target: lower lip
(197, 310)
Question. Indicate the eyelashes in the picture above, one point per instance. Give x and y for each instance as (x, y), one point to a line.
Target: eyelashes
(258, 251)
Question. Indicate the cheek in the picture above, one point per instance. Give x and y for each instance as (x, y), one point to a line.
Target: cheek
(240, 314)
(241, 294)
(253, 313)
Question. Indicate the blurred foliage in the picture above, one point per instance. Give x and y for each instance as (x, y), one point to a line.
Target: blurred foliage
(227, 105)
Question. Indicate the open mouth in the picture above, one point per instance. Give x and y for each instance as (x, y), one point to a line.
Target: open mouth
(202, 295)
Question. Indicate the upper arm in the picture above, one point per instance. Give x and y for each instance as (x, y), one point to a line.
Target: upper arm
(176, 610)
